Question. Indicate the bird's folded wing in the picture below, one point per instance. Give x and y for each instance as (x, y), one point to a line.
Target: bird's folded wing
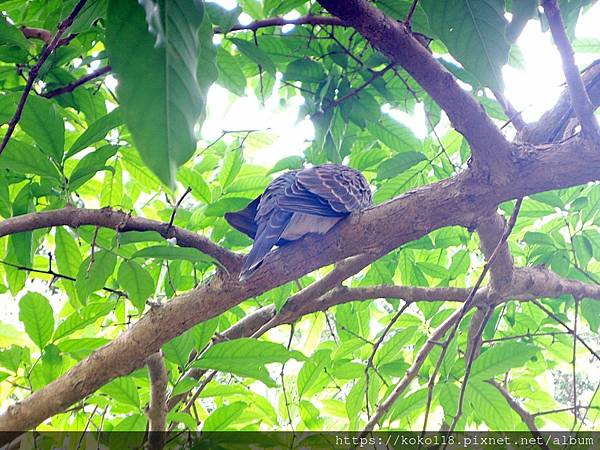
(297, 198)
(345, 190)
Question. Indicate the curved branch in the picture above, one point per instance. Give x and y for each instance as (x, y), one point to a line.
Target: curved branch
(122, 222)
(394, 39)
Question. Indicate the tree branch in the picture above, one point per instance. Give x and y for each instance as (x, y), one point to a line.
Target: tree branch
(554, 124)
(75, 84)
(121, 222)
(33, 73)
(394, 39)
(455, 201)
(157, 410)
(490, 229)
(280, 22)
(37, 33)
(526, 417)
(579, 97)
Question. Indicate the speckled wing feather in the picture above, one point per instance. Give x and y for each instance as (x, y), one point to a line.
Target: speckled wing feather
(343, 188)
(323, 192)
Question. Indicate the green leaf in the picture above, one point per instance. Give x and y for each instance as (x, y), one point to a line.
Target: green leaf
(38, 318)
(501, 358)
(586, 45)
(391, 350)
(137, 282)
(26, 159)
(311, 370)
(123, 390)
(231, 76)
(232, 163)
(537, 238)
(255, 53)
(224, 205)
(66, 252)
(590, 309)
(304, 70)
(398, 164)
(11, 357)
(164, 252)
(474, 32)
(78, 320)
(92, 277)
(490, 406)
(11, 35)
(246, 357)
(96, 131)
(288, 163)
(393, 134)
(222, 17)
(193, 178)
(41, 121)
(223, 416)
(91, 163)
(161, 107)
(178, 350)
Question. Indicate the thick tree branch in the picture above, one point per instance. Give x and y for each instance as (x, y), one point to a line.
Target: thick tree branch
(157, 410)
(122, 222)
(490, 229)
(394, 39)
(75, 84)
(579, 97)
(33, 73)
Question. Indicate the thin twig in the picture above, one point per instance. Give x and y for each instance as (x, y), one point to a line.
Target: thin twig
(280, 22)
(75, 84)
(566, 327)
(177, 205)
(356, 91)
(33, 73)
(376, 347)
(58, 275)
(411, 12)
(526, 417)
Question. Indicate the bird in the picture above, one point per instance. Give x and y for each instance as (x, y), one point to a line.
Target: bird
(296, 203)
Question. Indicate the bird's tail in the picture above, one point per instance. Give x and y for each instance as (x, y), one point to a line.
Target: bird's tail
(267, 235)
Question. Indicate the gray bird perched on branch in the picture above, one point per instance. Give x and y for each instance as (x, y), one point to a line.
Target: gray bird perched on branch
(297, 203)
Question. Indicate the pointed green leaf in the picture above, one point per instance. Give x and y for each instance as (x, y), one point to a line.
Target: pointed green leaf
(42, 122)
(137, 282)
(161, 107)
(38, 318)
(247, 358)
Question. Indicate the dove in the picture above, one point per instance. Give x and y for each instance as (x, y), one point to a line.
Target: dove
(297, 203)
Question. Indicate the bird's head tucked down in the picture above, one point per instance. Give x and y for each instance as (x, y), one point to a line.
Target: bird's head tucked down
(297, 203)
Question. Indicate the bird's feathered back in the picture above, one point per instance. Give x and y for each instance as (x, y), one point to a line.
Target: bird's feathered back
(327, 193)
